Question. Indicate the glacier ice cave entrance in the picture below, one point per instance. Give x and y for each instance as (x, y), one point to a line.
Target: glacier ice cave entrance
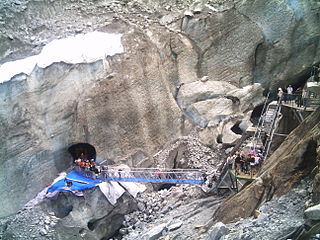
(87, 149)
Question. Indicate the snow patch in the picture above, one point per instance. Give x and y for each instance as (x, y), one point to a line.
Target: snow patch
(82, 48)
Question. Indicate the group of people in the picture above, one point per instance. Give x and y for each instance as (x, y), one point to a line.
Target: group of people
(287, 95)
(290, 96)
(87, 164)
(243, 163)
(298, 96)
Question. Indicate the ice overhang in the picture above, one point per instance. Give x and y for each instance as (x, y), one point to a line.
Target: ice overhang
(82, 48)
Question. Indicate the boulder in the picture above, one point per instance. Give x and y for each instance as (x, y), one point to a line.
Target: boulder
(174, 225)
(155, 232)
(216, 107)
(197, 91)
(217, 231)
(67, 216)
(313, 213)
(188, 13)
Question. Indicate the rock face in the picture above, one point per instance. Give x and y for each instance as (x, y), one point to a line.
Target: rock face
(70, 217)
(184, 64)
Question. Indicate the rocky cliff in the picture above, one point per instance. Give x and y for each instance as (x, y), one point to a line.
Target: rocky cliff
(185, 64)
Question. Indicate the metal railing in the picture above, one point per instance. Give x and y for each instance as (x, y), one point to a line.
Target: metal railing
(307, 100)
(273, 126)
(153, 175)
(257, 134)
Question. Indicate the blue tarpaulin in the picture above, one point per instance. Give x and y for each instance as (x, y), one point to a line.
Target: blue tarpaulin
(77, 182)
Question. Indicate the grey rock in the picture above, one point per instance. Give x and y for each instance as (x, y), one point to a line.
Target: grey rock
(123, 231)
(155, 232)
(204, 79)
(141, 206)
(217, 231)
(188, 13)
(166, 209)
(43, 231)
(313, 213)
(175, 225)
(198, 9)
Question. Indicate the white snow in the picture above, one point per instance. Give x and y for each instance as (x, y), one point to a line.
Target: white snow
(82, 48)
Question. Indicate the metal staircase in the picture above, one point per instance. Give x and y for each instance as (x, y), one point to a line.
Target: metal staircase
(259, 129)
(262, 138)
(266, 127)
(272, 118)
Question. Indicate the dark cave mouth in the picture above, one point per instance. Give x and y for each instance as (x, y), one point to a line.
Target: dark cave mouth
(236, 128)
(256, 113)
(86, 149)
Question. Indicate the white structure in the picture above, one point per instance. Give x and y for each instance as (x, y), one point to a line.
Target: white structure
(83, 48)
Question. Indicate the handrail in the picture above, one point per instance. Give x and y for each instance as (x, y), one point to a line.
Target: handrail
(195, 176)
(155, 169)
(308, 100)
(260, 122)
(272, 129)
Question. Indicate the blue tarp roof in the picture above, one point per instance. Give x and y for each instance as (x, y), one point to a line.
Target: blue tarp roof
(79, 183)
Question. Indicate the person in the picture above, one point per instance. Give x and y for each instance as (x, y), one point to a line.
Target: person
(119, 173)
(289, 93)
(304, 97)
(238, 162)
(230, 161)
(280, 94)
(82, 164)
(159, 174)
(68, 182)
(298, 93)
(204, 177)
(246, 164)
(252, 151)
(315, 73)
(77, 161)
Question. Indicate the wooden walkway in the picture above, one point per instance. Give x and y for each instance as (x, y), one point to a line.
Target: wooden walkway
(234, 182)
(243, 176)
